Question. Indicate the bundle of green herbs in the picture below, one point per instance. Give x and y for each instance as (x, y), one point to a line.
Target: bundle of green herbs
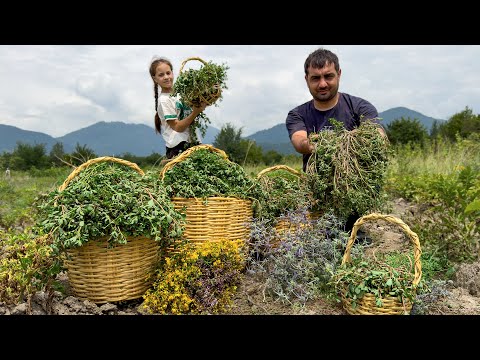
(109, 200)
(347, 169)
(201, 85)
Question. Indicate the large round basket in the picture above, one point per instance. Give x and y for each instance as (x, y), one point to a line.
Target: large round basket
(212, 218)
(391, 305)
(207, 92)
(102, 272)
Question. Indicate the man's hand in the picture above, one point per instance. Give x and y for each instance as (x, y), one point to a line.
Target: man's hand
(301, 142)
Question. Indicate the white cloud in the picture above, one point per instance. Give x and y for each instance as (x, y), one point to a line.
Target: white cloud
(59, 89)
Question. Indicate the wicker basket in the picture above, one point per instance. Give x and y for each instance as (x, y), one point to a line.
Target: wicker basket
(391, 305)
(207, 95)
(283, 224)
(105, 273)
(214, 217)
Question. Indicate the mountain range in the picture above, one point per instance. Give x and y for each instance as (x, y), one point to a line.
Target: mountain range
(117, 138)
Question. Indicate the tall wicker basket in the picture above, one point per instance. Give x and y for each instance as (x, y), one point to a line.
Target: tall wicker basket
(391, 305)
(215, 217)
(102, 273)
(283, 224)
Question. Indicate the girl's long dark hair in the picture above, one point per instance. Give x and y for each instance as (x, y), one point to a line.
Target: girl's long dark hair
(153, 67)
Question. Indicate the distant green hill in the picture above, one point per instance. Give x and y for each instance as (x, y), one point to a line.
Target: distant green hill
(115, 138)
(104, 138)
(397, 113)
(275, 138)
(9, 135)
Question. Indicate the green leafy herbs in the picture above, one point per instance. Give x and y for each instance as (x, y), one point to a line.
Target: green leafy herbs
(207, 174)
(347, 169)
(283, 192)
(201, 85)
(108, 199)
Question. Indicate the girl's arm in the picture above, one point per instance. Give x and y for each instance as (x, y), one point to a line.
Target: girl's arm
(181, 125)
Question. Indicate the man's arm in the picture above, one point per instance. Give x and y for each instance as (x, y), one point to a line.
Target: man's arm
(301, 143)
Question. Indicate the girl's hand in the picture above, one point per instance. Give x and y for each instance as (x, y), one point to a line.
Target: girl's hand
(200, 108)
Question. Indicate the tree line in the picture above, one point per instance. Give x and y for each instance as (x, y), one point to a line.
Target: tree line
(404, 131)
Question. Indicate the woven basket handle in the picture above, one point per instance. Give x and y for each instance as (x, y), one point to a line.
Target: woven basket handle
(187, 60)
(279, 167)
(187, 153)
(95, 161)
(394, 220)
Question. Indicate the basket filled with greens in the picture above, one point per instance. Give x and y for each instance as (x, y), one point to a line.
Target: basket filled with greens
(214, 193)
(285, 191)
(196, 86)
(109, 221)
(379, 286)
(203, 85)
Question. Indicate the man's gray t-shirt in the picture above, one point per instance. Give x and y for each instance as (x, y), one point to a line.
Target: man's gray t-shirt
(350, 110)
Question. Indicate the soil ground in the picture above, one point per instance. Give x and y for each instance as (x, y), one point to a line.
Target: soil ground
(250, 299)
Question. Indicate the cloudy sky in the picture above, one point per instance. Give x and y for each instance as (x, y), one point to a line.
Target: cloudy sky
(57, 89)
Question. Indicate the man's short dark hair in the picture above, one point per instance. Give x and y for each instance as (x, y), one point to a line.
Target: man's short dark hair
(321, 57)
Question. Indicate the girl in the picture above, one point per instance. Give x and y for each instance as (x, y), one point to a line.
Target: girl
(173, 118)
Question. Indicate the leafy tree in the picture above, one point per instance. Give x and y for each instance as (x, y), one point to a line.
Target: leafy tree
(272, 157)
(26, 157)
(253, 152)
(238, 149)
(406, 131)
(463, 123)
(229, 140)
(81, 154)
(435, 130)
(5, 160)
(57, 154)
(130, 157)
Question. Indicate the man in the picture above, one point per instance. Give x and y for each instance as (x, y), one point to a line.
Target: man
(322, 74)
